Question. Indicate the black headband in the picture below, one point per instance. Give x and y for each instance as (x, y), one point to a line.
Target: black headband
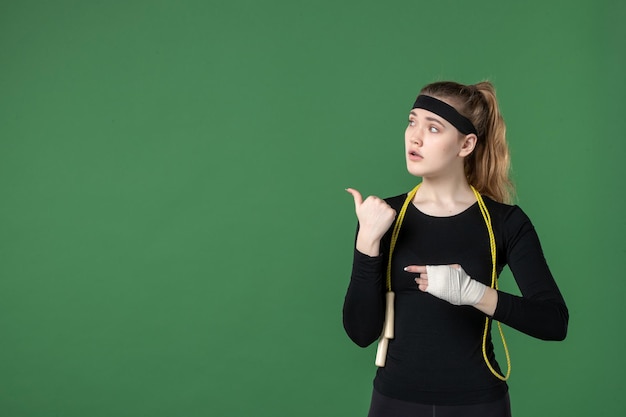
(446, 111)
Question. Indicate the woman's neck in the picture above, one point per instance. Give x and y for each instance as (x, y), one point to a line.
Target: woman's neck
(444, 198)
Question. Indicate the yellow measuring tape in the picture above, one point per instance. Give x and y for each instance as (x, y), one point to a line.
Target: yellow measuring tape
(494, 280)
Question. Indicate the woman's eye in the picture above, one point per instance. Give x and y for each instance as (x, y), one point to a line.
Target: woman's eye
(411, 123)
(433, 129)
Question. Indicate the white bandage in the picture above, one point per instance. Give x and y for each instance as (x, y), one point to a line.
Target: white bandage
(453, 285)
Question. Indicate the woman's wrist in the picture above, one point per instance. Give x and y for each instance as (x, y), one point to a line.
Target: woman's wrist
(368, 246)
(488, 302)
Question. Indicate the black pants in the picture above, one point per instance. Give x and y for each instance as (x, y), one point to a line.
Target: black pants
(390, 407)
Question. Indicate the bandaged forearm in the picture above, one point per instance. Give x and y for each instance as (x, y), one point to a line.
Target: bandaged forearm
(454, 285)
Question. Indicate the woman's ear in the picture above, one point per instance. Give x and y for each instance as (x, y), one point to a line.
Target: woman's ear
(468, 144)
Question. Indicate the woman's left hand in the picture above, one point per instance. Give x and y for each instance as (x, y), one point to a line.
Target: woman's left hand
(448, 282)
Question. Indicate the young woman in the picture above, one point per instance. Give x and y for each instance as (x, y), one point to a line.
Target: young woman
(425, 265)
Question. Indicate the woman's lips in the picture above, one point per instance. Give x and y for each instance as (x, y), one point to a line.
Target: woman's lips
(415, 156)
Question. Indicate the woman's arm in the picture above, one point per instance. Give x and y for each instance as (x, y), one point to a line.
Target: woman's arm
(364, 304)
(540, 311)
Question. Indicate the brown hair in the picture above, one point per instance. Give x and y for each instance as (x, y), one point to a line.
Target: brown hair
(487, 167)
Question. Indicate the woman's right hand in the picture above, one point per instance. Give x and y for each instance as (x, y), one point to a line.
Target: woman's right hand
(375, 217)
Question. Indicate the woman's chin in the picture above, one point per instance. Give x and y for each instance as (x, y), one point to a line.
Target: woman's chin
(414, 170)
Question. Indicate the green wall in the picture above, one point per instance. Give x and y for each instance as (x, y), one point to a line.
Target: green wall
(175, 238)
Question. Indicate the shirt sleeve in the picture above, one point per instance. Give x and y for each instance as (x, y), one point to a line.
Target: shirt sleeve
(364, 304)
(540, 311)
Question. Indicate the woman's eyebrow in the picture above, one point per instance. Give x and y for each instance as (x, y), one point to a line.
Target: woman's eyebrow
(432, 119)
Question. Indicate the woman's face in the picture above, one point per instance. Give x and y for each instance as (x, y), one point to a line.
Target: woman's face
(434, 147)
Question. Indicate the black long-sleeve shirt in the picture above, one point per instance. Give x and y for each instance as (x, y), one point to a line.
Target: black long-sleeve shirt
(436, 355)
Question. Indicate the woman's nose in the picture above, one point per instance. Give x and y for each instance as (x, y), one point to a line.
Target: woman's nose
(416, 137)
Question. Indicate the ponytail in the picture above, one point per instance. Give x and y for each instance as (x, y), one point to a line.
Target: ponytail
(487, 167)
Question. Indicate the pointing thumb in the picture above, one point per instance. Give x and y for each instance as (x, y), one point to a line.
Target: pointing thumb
(358, 200)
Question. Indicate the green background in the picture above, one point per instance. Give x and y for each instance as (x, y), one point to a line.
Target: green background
(175, 238)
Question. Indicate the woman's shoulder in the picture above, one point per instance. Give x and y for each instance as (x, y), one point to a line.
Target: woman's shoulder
(503, 209)
(511, 218)
(396, 201)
